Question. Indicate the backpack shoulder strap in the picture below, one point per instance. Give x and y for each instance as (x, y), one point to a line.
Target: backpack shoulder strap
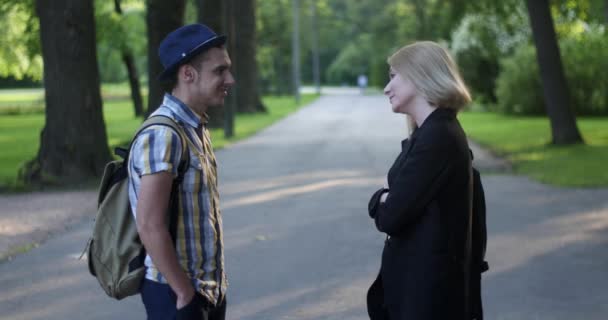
(183, 165)
(168, 122)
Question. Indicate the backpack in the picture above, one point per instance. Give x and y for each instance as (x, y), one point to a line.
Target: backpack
(479, 240)
(115, 253)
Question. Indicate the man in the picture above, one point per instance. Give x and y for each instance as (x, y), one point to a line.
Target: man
(185, 279)
(362, 83)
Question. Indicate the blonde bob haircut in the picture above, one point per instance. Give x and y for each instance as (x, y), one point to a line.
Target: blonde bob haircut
(433, 72)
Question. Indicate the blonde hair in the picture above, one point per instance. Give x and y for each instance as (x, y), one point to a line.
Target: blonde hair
(433, 72)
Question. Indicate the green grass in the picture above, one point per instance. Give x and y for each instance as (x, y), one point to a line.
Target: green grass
(14, 251)
(20, 95)
(108, 90)
(118, 91)
(525, 142)
(21, 101)
(31, 100)
(20, 133)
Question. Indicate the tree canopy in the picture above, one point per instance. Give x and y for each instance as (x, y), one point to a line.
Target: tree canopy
(20, 54)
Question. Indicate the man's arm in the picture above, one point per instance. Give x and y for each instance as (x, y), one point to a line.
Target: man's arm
(152, 205)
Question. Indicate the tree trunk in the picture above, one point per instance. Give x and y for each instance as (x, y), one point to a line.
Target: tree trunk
(127, 58)
(73, 143)
(229, 26)
(295, 50)
(246, 71)
(138, 104)
(210, 13)
(555, 88)
(282, 64)
(421, 8)
(316, 76)
(162, 18)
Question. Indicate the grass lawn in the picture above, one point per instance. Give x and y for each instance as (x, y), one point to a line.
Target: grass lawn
(31, 100)
(524, 141)
(20, 133)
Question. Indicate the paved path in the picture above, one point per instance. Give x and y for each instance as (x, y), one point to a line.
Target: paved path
(299, 244)
(29, 219)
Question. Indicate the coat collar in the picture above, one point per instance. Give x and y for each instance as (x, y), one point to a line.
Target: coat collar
(437, 115)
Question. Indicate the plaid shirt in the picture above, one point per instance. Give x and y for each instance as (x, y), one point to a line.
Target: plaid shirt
(199, 243)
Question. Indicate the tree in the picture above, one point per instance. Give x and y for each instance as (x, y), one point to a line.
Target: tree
(129, 61)
(246, 67)
(316, 77)
(481, 40)
(274, 21)
(555, 88)
(295, 50)
(162, 17)
(436, 18)
(20, 55)
(73, 142)
(239, 24)
(210, 13)
(229, 26)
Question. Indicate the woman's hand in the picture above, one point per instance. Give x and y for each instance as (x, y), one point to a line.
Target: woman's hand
(383, 197)
(385, 194)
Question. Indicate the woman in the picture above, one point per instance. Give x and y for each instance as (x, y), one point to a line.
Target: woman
(423, 209)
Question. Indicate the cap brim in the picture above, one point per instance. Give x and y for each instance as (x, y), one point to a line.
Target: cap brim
(215, 41)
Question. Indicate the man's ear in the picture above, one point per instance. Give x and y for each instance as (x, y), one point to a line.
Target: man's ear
(186, 73)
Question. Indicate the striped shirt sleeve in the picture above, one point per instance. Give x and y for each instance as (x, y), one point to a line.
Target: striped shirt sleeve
(156, 149)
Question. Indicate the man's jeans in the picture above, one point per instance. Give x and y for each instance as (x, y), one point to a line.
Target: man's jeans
(159, 300)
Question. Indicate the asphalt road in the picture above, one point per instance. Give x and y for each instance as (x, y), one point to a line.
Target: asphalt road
(299, 244)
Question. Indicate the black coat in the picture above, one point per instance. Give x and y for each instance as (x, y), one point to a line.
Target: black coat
(425, 217)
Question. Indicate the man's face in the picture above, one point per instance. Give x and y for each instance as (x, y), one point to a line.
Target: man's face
(213, 80)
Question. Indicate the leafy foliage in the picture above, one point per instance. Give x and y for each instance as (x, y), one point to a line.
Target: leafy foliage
(519, 89)
(116, 32)
(274, 29)
(20, 53)
(481, 40)
(355, 36)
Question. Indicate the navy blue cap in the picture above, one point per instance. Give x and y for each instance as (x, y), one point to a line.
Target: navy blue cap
(183, 44)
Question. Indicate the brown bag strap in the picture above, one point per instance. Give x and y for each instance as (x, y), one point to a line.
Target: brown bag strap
(468, 245)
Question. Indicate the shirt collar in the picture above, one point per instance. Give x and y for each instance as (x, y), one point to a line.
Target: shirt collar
(183, 112)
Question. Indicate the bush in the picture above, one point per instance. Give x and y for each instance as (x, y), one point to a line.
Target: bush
(480, 41)
(586, 68)
(519, 89)
(479, 72)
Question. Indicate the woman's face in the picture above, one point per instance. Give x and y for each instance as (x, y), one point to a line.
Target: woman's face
(401, 92)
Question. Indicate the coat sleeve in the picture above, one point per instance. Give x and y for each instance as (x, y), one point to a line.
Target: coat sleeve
(374, 201)
(416, 183)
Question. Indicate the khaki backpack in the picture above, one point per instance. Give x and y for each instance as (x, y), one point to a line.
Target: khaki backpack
(115, 253)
